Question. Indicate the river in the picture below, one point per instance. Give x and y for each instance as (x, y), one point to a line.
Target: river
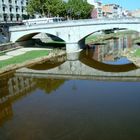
(73, 108)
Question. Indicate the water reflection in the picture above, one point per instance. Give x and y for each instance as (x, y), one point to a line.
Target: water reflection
(111, 51)
(51, 63)
(76, 109)
(15, 88)
(58, 109)
(49, 85)
(85, 68)
(12, 89)
(106, 58)
(85, 58)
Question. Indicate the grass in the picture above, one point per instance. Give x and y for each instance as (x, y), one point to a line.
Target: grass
(23, 58)
(56, 42)
(137, 53)
(2, 53)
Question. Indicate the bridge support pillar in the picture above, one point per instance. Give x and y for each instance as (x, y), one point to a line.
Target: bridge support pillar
(73, 56)
(72, 47)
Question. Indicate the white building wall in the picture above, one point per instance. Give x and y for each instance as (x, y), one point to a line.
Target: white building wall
(12, 10)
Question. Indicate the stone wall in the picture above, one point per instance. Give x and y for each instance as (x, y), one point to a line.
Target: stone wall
(8, 46)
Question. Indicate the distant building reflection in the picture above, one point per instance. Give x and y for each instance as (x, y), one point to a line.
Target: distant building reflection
(14, 88)
(112, 49)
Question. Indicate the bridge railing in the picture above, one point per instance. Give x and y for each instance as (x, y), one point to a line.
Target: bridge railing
(80, 22)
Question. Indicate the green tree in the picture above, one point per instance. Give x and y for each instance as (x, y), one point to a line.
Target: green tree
(47, 7)
(56, 7)
(36, 6)
(78, 9)
(73, 8)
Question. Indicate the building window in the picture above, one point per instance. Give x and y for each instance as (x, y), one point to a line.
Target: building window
(16, 9)
(10, 9)
(5, 17)
(22, 9)
(3, 8)
(17, 17)
(11, 17)
(22, 2)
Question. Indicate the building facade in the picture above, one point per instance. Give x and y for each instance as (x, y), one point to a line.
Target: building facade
(107, 10)
(136, 13)
(12, 10)
(97, 10)
(112, 11)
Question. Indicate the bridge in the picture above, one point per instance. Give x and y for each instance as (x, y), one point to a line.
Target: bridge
(72, 32)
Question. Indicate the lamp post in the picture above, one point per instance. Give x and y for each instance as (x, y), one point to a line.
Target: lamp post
(78, 14)
(69, 12)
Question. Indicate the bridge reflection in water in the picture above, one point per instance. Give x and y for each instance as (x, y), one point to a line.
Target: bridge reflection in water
(51, 75)
(99, 108)
(85, 68)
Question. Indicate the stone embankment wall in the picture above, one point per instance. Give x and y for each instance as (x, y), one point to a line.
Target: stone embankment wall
(8, 47)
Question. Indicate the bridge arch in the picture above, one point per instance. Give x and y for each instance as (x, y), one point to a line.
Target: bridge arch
(25, 36)
(86, 33)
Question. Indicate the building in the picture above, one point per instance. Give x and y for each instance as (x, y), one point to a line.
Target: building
(136, 13)
(97, 10)
(107, 10)
(112, 10)
(12, 10)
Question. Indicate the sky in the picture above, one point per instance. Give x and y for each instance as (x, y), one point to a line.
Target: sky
(127, 4)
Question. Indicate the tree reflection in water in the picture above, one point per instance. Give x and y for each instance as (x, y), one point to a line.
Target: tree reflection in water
(49, 85)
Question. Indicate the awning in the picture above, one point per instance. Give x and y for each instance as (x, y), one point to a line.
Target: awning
(17, 15)
(4, 5)
(23, 7)
(5, 14)
(12, 15)
(11, 6)
(17, 7)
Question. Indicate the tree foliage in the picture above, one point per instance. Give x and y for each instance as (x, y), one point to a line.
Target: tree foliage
(73, 8)
(78, 9)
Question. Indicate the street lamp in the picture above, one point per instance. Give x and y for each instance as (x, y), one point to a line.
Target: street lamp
(78, 14)
(69, 12)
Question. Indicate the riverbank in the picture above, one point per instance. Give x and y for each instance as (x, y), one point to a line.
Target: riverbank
(102, 38)
(27, 59)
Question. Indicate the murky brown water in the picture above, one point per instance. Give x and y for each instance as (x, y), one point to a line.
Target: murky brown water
(64, 109)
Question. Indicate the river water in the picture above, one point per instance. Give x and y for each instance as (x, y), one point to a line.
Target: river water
(72, 109)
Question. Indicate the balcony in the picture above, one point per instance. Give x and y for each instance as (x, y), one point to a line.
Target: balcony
(4, 5)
